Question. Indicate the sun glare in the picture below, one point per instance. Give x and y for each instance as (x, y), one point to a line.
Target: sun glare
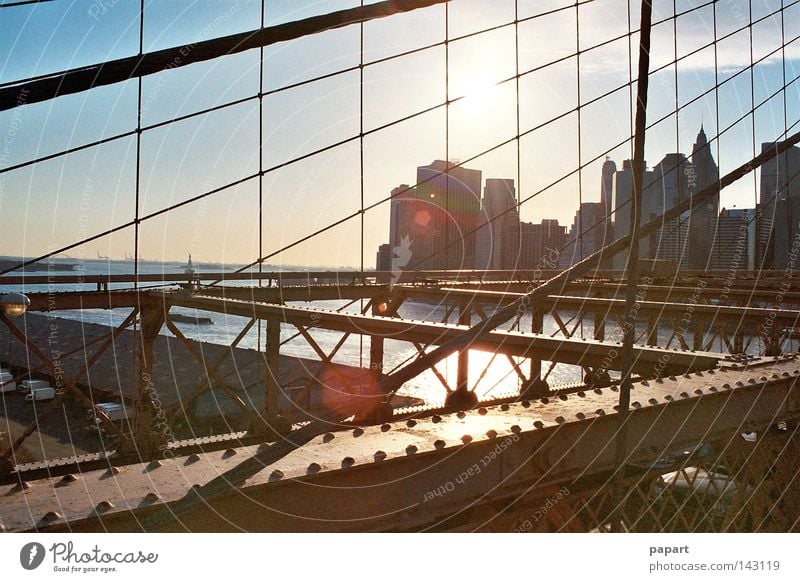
(480, 94)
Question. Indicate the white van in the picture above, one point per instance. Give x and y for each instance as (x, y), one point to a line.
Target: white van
(29, 385)
(41, 393)
(7, 383)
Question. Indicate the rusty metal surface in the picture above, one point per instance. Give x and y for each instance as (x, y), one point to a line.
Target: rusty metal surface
(381, 477)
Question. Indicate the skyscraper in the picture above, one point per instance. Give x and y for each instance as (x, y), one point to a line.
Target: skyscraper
(623, 193)
(778, 210)
(735, 240)
(497, 241)
(453, 196)
(671, 187)
(702, 225)
(540, 244)
(607, 185)
(587, 234)
(409, 230)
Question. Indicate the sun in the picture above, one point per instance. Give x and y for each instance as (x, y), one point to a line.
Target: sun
(480, 93)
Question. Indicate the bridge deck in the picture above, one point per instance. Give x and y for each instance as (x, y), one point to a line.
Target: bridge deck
(410, 474)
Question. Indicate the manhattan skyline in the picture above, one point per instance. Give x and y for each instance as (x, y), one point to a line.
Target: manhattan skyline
(57, 202)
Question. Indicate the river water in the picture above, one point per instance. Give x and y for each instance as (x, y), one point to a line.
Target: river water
(490, 374)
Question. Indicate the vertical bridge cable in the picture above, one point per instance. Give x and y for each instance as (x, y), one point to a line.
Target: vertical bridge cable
(633, 249)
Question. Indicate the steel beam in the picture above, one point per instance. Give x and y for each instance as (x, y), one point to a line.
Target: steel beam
(570, 351)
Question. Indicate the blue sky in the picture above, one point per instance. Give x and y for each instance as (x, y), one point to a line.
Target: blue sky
(60, 201)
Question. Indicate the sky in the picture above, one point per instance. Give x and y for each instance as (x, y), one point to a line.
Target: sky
(57, 202)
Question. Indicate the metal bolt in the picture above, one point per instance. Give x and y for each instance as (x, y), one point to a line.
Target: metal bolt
(151, 498)
(436, 419)
(461, 414)
(228, 453)
(726, 386)
(504, 407)
(598, 391)
(516, 429)
(193, 458)
(439, 444)
(379, 456)
(752, 380)
(348, 462)
(411, 423)
(636, 404)
(386, 427)
(153, 465)
(669, 398)
(112, 471)
(313, 468)
(698, 373)
(699, 391)
(357, 432)
(687, 376)
(67, 479)
(466, 439)
(775, 376)
(659, 380)
(482, 411)
(581, 394)
(600, 412)
(51, 516)
(526, 404)
(645, 383)
(411, 449)
(492, 434)
(684, 395)
(560, 419)
(739, 383)
(762, 379)
(715, 389)
(712, 372)
(276, 475)
(653, 401)
(21, 486)
(673, 378)
(785, 374)
(563, 397)
(545, 400)
(538, 424)
(104, 506)
(580, 416)
(615, 388)
(328, 437)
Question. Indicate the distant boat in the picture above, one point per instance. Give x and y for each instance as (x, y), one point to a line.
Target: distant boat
(99, 256)
(180, 318)
(128, 257)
